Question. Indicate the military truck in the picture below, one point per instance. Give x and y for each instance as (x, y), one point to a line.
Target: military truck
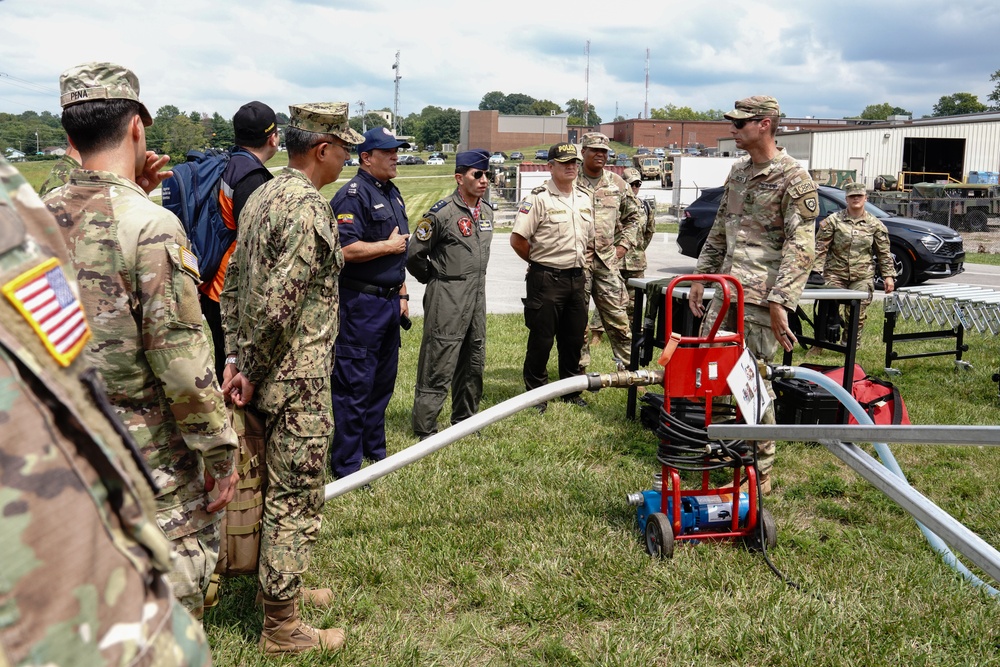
(961, 206)
(667, 173)
(648, 166)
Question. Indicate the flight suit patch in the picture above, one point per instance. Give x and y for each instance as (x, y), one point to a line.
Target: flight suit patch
(465, 226)
(424, 230)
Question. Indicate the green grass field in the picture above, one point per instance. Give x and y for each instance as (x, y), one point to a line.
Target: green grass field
(516, 546)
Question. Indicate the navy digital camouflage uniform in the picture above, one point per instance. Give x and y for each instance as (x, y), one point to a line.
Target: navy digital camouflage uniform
(844, 249)
(84, 562)
(763, 236)
(448, 252)
(280, 315)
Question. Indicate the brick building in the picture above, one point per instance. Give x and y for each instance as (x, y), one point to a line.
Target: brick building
(490, 130)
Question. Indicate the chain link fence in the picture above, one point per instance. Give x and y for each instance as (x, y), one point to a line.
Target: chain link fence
(973, 210)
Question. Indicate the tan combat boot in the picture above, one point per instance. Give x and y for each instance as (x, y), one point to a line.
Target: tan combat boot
(595, 338)
(317, 597)
(285, 632)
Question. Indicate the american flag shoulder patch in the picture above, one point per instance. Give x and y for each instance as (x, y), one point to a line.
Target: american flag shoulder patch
(190, 262)
(43, 296)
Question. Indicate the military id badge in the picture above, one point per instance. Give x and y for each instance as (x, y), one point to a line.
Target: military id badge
(43, 296)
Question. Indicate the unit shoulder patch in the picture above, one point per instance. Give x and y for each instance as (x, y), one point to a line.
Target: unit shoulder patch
(424, 230)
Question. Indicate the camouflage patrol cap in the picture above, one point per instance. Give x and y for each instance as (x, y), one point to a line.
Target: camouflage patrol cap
(596, 140)
(753, 107)
(100, 81)
(855, 189)
(323, 118)
(631, 175)
(564, 152)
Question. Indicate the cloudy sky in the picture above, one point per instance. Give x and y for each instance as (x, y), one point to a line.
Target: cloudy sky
(822, 58)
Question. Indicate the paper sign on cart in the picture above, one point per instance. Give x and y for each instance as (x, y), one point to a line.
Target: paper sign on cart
(748, 388)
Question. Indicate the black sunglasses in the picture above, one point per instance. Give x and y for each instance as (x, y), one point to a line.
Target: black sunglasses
(477, 174)
(740, 123)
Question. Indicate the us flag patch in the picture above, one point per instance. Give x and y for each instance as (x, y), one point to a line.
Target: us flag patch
(189, 261)
(43, 296)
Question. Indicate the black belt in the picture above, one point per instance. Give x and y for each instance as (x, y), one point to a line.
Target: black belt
(377, 290)
(575, 272)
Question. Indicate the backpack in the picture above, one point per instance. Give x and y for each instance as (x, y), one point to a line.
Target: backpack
(879, 398)
(192, 194)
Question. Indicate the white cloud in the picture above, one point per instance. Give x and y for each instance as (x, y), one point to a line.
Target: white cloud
(830, 59)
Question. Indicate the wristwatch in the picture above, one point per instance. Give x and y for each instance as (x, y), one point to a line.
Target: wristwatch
(404, 297)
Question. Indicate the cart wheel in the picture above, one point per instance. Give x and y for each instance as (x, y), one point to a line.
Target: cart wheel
(752, 542)
(659, 536)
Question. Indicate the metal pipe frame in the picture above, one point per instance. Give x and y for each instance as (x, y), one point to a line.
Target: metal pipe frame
(919, 506)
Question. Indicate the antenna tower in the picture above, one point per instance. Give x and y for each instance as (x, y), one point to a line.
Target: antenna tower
(645, 113)
(586, 96)
(395, 104)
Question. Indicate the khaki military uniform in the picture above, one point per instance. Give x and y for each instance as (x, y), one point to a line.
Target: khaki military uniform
(59, 175)
(84, 562)
(844, 249)
(560, 230)
(763, 236)
(633, 264)
(616, 219)
(138, 283)
(280, 313)
(448, 252)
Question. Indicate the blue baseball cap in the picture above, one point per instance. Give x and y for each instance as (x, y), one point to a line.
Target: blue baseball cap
(476, 158)
(380, 138)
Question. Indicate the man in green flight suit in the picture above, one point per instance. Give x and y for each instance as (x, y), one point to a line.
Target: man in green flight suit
(448, 252)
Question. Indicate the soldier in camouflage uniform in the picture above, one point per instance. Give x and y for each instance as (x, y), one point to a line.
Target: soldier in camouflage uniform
(280, 314)
(59, 176)
(633, 264)
(139, 286)
(449, 252)
(763, 236)
(84, 563)
(617, 218)
(845, 244)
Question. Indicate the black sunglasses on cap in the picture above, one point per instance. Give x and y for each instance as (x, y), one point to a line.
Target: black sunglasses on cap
(740, 123)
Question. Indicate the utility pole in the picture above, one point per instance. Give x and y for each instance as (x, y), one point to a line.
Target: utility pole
(395, 105)
(37, 149)
(364, 117)
(645, 113)
(586, 96)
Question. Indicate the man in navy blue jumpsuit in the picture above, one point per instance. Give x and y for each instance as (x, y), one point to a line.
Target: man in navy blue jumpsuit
(371, 219)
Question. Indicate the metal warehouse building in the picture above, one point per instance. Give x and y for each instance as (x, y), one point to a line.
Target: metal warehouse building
(949, 146)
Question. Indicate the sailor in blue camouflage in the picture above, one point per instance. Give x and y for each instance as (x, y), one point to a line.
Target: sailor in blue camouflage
(845, 245)
(764, 236)
(616, 219)
(82, 580)
(138, 282)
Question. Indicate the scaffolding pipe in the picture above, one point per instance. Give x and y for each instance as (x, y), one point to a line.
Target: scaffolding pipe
(887, 478)
(575, 384)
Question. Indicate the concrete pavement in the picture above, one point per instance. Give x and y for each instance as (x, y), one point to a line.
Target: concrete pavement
(505, 275)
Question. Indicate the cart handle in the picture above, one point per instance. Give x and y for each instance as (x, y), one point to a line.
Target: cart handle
(724, 282)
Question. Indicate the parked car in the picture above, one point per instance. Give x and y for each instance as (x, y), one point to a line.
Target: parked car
(497, 158)
(409, 159)
(438, 154)
(921, 250)
(351, 162)
(435, 160)
(659, 152)
(542, 154)
(517, 155)
(642, 151)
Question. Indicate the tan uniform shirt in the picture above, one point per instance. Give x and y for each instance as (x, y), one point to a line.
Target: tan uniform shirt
(560, 228)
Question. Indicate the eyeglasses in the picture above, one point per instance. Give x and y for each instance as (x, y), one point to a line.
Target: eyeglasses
(332, 143)
(477, 174)
(740, 123)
